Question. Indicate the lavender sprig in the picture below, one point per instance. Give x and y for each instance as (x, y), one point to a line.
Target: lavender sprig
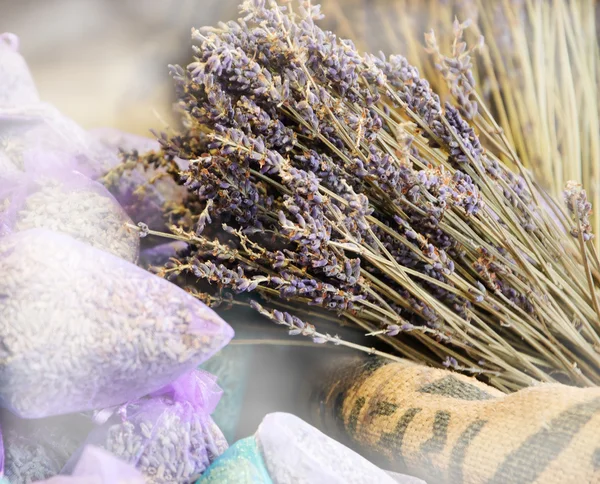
(580, 209)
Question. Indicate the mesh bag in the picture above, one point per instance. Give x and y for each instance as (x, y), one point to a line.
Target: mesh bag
(82, 329)
(32, 133)
(38, 449)
(38, 136)
(66, 201)
(168, 436)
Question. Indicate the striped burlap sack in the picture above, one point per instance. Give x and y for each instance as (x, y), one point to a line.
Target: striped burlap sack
(449, 428)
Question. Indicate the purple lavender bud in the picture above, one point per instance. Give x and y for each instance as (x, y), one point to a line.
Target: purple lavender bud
(450, 362)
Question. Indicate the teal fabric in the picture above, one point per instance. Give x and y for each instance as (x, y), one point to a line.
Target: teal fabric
(230, 366)
(242, 463)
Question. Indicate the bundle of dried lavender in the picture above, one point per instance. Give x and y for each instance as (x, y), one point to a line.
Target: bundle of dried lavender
(540, 70)
(319, 176)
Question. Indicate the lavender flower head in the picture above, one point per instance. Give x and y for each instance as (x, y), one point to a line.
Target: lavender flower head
(580, 209)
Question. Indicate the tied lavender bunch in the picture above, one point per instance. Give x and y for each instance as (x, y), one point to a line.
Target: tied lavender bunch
(322, 177)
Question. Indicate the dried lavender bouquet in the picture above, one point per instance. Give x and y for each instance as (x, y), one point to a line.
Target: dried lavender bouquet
(539, 72)
(329, 184)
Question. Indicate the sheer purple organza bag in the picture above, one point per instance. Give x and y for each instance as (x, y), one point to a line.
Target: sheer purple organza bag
(96, 466)
(16, 88)
(30, 130)
(82, 329)
(169, 436)
(34, 131)
(56, 197)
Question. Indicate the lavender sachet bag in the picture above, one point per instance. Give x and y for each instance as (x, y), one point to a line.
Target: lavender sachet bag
(16, 88)
(81, 329)
(39, 448)
(32, 132)
(16, 84)
(63, 200)
(168, 436)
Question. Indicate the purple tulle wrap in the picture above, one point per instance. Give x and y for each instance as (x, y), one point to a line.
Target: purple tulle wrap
(168, 436)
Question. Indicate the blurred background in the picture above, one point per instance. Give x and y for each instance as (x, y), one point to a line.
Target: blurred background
(104, 62)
